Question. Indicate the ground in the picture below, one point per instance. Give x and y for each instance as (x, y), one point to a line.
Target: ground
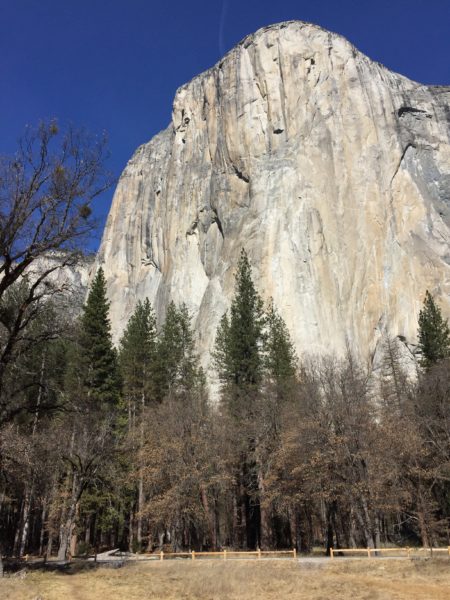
(342, 579)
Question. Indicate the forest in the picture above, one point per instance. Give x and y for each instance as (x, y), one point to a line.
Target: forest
(104, 447)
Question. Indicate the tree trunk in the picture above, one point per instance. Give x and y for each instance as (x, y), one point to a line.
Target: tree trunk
(421, 517)
(67, 525)
(87, 532)
(209, 517)
(49, 545)
(130, 530)
(26, 521)
(330, 532)
(365, 527)
(73, 534)
(149, 547)
(42, 532)
(367, 524)
(293, 527)
(264, 517)
(140, 508)
(235, 520)
(16, 546)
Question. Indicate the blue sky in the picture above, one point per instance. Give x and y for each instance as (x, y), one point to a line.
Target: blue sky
(115, 65)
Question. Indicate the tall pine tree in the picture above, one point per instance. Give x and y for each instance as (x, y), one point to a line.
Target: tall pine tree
(176, 365)
(434, 333)
(101, 376)
(280, 357)
(137, 357)
(92, 387)
(239, 343)
(239, 361)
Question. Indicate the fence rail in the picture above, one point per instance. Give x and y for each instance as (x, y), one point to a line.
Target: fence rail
(226, 554)
(397, 552)
(371, 552)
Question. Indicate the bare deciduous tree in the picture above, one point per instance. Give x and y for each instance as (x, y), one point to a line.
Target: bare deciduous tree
(46, 191)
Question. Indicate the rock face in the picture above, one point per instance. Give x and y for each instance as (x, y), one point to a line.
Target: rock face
(69, 283)
(331, 171)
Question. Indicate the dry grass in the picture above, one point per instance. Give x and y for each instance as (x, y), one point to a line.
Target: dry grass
(344, 579)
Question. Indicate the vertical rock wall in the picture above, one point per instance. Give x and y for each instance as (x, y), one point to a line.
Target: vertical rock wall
(331, 171)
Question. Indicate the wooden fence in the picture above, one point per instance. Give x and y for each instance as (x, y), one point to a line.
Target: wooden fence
(228, 554)
(407, 552)
(399, 552)
(396, 552)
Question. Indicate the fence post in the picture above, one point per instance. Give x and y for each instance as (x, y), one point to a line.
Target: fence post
(331, 553)
(224, 555)
(259, 553)
(193, 554)
(448, 549)
(294, 551)
(368, 552)
(161, 555)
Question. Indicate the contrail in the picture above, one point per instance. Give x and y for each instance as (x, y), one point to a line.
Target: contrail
(223, 14)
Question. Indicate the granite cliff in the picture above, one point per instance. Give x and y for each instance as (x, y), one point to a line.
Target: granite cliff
(331, 171)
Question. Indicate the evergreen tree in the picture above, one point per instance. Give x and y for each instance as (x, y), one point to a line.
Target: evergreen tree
(279, 351)
(176, 363)
(189, 375)
(240, 361)
(434, 333)
(101, 377)
(92, 387)
(239, 343)
(137, 355)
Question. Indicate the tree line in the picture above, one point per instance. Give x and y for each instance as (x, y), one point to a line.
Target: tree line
(105, 447)
(134, 454)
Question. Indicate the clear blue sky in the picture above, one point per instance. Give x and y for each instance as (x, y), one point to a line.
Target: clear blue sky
(115, 65)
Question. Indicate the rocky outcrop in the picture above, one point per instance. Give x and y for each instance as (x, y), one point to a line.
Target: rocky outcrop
(68, 279)
(331, 171)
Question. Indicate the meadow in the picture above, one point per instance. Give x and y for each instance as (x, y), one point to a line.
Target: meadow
(379, 579)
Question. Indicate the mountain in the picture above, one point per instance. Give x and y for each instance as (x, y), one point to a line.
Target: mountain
(330, 170)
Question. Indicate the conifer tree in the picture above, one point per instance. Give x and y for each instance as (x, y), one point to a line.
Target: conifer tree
(434, 333)
(176, 363)
(240, 337)
(239, 359)
(93, 388)
(102, 380)
(279, 350)
(137, 362)
(137, 355)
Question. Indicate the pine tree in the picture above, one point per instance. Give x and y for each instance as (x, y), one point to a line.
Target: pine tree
(176, 363)
(240, 338)
(137, 355)
(92, 386)
(279, 351)
(434, 333)
(101, 380)
(239, 360)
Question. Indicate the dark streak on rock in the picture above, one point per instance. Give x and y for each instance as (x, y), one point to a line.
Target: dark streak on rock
(409, 109)
(218, 222)
(240, 174)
